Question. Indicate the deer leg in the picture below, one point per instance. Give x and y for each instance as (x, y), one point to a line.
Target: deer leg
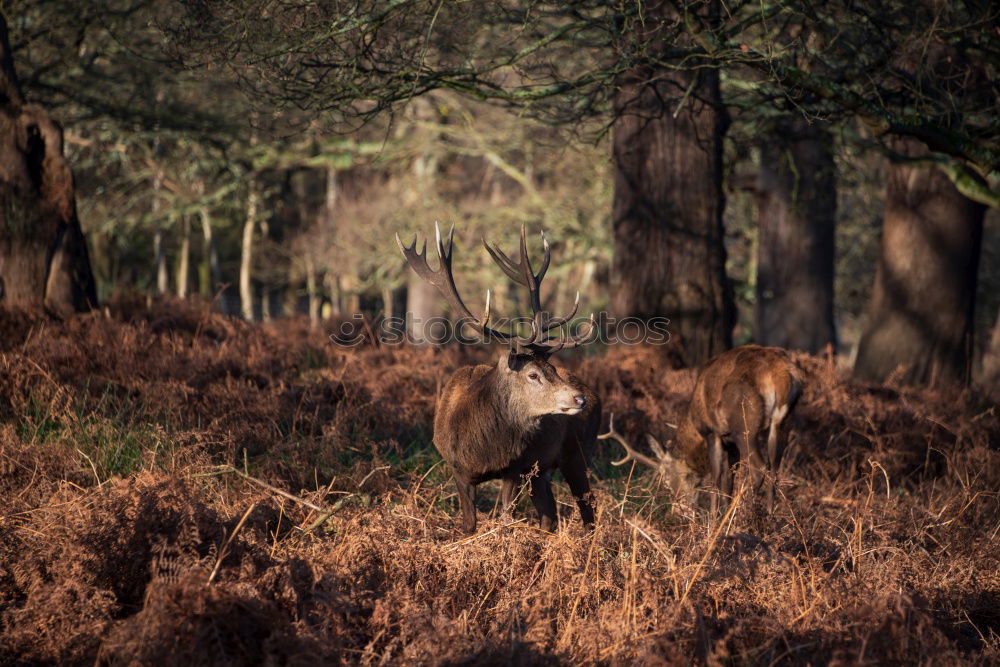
(750, 459)
(772, 460)
(544, 501)
(573, 467)
(775, 450)
(718, 461)
(727, 473)
(508, 491)
(467, 502)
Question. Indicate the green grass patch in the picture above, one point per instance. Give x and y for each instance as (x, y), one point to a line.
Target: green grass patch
(111, 436)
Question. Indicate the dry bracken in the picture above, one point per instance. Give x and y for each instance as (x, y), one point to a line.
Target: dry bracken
(882, 546)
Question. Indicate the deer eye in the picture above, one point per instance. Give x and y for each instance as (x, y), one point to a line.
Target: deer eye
(532, 375)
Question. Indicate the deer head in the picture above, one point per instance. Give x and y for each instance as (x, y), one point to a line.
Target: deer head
(679, 476)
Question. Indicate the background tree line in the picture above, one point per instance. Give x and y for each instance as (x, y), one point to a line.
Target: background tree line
(788, 173)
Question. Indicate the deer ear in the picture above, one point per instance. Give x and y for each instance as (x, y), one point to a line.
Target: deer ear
(503, 363)
(512, 362)
(657, 448)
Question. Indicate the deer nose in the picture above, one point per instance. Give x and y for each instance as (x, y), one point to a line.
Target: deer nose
(580, 399)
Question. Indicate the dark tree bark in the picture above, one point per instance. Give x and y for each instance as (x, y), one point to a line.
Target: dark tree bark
(669, 256)
(796, 198)
(43, 254)
(921, 312)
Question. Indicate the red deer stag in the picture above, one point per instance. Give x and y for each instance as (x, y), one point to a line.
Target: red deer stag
(521, 415)
(738, 396)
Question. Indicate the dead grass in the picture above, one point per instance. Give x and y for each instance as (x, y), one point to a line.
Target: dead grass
(115, 514)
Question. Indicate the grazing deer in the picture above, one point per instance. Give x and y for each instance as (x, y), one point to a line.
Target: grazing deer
(738, 396)
(521, 415)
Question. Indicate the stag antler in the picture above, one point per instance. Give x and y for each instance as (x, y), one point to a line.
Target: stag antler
(631, 454)
(521, 273)
(444, 281)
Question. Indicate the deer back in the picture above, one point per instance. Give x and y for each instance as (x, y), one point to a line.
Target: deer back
(741, 389)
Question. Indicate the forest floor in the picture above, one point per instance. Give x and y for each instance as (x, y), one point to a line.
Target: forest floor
(132, 530)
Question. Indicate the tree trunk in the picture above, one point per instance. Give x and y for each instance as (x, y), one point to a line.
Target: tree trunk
(394, 299)
(246, 255)
(265, 304)
(920, 317)
(796, 201)
(335, 306)
(424, 314)
(350, 299)
(270, 287)
(184, 261)
(160, 262)
(312, 290)
(211, 273)
(43, 254)
(159, 252)
(669, 258)
(991, 362)
(334, 279)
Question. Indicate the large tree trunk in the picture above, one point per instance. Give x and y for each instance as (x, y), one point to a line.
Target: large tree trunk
(43, 254)
(920, 317)
(246, 255)
(669, 258)
(796, 199)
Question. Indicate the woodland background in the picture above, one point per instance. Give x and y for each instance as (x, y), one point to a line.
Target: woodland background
(192, 472)
(266, 153)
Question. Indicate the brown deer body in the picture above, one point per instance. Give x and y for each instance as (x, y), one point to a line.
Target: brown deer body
(489, 425)
(738, 411)
(519, 416)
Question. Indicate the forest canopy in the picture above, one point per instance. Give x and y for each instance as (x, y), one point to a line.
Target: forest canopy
(299, 137)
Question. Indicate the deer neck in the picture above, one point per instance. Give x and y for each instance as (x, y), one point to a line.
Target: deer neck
(499, 431)
(511, 408)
